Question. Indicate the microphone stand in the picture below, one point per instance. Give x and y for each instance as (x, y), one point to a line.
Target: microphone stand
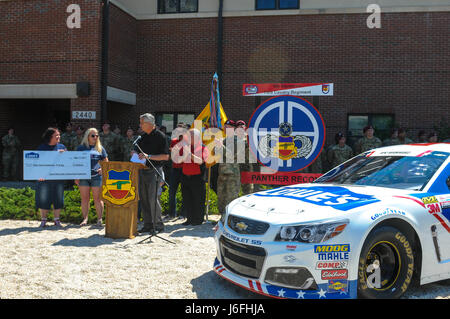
(153, 233)
(154, 168)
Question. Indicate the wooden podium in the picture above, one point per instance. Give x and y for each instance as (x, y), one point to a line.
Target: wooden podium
(120, 194)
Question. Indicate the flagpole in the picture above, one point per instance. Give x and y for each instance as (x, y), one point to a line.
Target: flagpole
(207, 194)
(212, 116)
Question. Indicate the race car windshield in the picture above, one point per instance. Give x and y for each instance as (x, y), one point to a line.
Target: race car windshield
(402, 172)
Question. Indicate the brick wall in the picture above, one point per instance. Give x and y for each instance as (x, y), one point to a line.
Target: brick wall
(402, 68)
(122, 66)
(37, 47)
(176, 62)
(122, 50)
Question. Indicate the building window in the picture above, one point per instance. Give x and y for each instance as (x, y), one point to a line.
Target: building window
(383, 123)
(177, 6)
(170, 120)
(276, 4)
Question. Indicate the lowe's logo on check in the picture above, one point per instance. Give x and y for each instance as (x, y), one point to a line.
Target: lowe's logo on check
(337, 197)
(31, 155)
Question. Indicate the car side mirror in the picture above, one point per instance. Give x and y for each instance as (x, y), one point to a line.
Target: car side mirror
(448, 183)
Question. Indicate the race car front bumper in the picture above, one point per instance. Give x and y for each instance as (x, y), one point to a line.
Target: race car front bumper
(277, 269)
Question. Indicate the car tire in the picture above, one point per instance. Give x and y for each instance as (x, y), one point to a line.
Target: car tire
(386, 264)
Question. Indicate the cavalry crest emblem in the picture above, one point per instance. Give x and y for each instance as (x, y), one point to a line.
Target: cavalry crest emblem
(285, 144)
(117, 188)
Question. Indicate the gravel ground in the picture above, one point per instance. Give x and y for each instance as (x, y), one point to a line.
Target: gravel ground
(81, 263)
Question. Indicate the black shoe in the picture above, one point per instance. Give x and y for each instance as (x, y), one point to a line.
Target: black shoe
(196, 223)
(145, 230)
(186, 223)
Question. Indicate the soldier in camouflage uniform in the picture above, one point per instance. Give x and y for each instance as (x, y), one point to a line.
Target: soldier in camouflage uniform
(80, 134)
(393, 140)
(111, 142)
(422, 137)
(340, 152)
(69, 138)
(368, 142)
(432, 137)
(122, 141)
(229, 180)
(128, 144)
(402, 138)
(246, 166)
(11, 146)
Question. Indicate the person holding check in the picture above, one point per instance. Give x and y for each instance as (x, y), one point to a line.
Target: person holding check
(50, 192)
(91, 142)
(153, 147)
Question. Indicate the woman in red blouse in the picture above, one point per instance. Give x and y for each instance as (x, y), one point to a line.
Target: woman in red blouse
(193, 181)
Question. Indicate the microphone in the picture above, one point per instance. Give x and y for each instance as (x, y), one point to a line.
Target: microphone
(137, 139)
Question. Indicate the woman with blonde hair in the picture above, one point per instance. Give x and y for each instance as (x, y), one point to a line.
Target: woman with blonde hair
(91, 142)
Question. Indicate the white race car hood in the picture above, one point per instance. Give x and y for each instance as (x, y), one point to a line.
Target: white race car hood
(310, 202)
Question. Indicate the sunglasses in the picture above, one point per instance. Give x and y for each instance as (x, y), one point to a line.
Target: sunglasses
(93, 135)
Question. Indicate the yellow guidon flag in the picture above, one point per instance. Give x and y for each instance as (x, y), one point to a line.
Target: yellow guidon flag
(212, 116)
(205, 117)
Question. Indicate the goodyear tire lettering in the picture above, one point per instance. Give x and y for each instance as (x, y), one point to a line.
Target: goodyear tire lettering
(406, 244)
(408, 277)
(362, 281)
(381, 240)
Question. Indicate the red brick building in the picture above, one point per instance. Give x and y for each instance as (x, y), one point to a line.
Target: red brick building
(161, 60)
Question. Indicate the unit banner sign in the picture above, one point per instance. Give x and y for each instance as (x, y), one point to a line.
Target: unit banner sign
(286, 133)
(280, 178)
(295, 89)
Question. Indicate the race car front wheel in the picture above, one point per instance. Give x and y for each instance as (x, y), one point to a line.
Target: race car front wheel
(386, 264)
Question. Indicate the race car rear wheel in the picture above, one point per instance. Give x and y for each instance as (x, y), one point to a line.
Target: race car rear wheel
(386, 264)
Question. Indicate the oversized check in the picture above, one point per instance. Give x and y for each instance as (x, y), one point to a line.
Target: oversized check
(55, 165)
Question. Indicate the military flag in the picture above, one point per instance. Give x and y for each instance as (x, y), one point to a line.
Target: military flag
(213, 114)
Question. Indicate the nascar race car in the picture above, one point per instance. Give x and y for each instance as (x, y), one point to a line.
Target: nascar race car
(368, 228)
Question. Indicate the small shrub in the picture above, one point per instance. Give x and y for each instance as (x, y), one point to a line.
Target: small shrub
(20, 204)
(164, 200)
